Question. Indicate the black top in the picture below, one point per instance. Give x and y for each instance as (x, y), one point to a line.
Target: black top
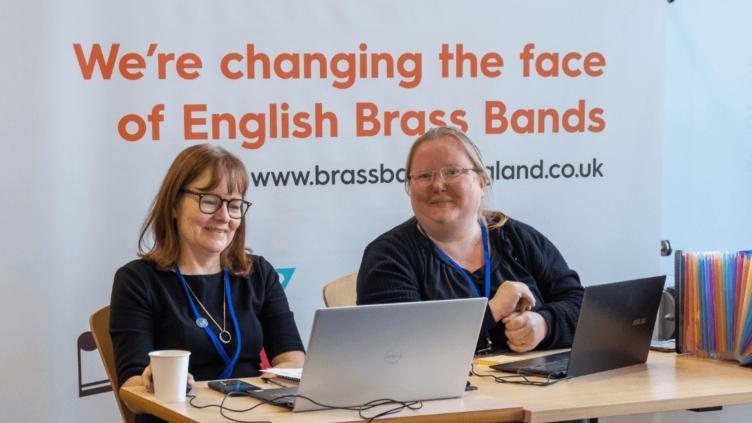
(404, 265)
(150, 311)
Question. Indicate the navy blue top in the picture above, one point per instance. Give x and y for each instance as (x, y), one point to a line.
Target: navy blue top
(404, 265)
(149, 311)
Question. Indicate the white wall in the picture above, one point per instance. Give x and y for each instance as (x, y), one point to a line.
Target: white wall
(707, 150)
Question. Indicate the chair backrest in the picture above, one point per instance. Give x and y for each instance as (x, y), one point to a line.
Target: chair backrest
(99, 322)
(341, 292)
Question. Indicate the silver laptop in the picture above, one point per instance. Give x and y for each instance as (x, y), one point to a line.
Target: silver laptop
(405, 352)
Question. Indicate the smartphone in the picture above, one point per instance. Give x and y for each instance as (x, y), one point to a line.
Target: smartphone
(232, 385)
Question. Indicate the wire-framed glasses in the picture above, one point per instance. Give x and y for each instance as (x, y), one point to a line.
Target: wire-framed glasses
(449, 174)
(210, 203)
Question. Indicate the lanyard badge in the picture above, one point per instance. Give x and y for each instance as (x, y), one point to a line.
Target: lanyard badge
(203, 324)
(486, 264)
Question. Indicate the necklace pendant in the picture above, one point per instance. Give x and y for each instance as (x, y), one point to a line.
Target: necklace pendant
(201, 322)
(225, 337)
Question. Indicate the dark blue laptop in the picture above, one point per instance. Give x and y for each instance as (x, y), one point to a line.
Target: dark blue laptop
(614, 330)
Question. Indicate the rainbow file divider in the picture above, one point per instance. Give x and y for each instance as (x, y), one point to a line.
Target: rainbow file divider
(714, 310)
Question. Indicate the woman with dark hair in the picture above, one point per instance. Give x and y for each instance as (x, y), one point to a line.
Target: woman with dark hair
(453, 248)
(196, 287)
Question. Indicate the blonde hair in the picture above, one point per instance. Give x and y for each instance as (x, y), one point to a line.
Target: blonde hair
(161, 223)
(494, 219)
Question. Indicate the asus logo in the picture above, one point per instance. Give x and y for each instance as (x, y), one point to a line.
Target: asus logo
(638, 322)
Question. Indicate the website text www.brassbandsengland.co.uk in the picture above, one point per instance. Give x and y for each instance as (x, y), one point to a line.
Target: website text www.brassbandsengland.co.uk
(383, 174)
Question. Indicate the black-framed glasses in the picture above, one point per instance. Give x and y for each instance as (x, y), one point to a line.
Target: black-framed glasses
(209, 204)
(448, 174)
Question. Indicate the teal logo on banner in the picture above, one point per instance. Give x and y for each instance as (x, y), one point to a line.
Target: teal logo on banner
(285, 274)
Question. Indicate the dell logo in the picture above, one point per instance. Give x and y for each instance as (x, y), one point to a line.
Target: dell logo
(392, 356)
(638, 322)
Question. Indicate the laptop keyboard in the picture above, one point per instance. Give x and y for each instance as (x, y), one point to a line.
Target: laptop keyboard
(554, 365)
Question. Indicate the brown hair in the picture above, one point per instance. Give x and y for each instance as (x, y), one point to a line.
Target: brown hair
(161, 223)
(494, 219)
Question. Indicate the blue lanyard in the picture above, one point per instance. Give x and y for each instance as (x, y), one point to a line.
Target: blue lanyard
(227, 372)
(486, 264)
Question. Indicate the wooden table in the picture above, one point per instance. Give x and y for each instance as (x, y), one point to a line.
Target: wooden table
(472, 407)
(666, 382)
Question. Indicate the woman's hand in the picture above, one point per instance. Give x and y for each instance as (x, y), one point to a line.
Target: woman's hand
(510, 297)
(290, 359)
(146, 379)
(524, 330)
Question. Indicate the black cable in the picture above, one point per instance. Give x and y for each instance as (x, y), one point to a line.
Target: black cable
(400, 405)
(273, 382)
(221, 405)
(521, 378)
(222, 408)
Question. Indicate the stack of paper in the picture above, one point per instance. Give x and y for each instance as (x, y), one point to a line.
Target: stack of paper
(291, 373)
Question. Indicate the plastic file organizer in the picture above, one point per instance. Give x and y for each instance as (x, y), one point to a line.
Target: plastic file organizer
(714, 311)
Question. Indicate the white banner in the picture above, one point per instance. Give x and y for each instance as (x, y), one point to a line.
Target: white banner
(321, 100)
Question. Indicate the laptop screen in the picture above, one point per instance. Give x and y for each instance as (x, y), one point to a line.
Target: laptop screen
(615, 325)
(405, 351)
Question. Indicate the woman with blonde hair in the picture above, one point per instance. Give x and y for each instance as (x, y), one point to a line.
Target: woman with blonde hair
(452, 248)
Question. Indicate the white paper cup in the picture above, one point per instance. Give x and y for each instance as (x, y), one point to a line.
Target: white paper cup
(169, 370)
